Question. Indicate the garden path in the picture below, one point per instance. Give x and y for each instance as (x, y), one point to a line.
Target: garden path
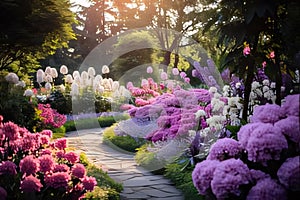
(138, 183)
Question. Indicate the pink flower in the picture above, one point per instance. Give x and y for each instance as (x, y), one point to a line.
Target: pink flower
(246, 50)
(175, 71)
(272, 55)
(47, 132)
(58, 180)
(29, 165)
(149, 70)
(187, 80)
(46, 152)
(89, 183)
(45, 140)
(46, 163)
(61, 168)
(71, 157)
(60, 154)
(78, 170)
(31, 184)
(182, 75)
(8, 167)
(164, 76)
(11, 131)
(264, 64)
(61, 143)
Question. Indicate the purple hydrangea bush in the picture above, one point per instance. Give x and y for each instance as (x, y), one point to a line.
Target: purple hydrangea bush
(33, 166)
(264, 161)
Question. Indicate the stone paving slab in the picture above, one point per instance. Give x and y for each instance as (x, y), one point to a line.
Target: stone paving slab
(138, 183)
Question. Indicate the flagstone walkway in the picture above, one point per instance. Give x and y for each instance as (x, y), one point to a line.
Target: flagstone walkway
(138, 183)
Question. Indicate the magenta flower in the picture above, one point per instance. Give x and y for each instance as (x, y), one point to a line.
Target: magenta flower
(3, 193)
(60, 154)
(183, 75)
(11, 131)
(89, 183)
(8, 167)
(78, 170)
(61, 168)
(58, 180)
(46, 163)
(45, 152)
(187, 79)
(29, 165)
(246, 50)
(72, 157)
(289, 173)
(31, 184)
(272, 54)
(47, 132)
(61, 143)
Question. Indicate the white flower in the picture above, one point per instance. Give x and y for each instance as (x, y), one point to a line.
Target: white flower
(12, 78)
(48, 70)
(282, 88)
(273, 85)
(226, 88)
(200, 113)
(54, 73)
(40, 76)
(48, 86)
(77, 79)
(266, 89)
(217, 95)
(63, 69)
(164, 76)
(255, 85)
(21, 84)
(74, 89)
(84, 75)
(213, 90)
(149, 70)
(266, 82)
(91, 72)
(69, 79)
(115, 85)
(144, 83)
(48, 78)
(253, 95)
(28, 93)
(105, 69)
(98, 78)
(238, 85)
(175, 71)
(217, 105)
(258, 92)
(62, 88)
(75, 74)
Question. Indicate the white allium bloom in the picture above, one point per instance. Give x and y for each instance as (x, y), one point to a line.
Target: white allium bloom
(40, 76)
(164, 76)
(216, 121)
(217, 105)
(69, 78)
(175, 71)
(98, 78)
(200, 113)
(273, 85)
(54, 73)
(21, 84)
(255, 85)
(226, 88)
(99, 89)
(48, 86)
(266, 89)
(12, 78)
(106, 84)
(48, 78)
(74, 89)
(238, 85)
(28, 93)
(62, 88)
(266, 82)
(48, 70)
(213, 90)
(91, 72)
(77, 80)
(84, 75)
(149, 70)
(115, 85)
(105, 69)
(234, 101)
(76, 73)
(63, 69)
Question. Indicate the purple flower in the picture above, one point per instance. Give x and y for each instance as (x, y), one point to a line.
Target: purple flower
(289, 173)
(268, 113)
(58, 180)
(175, 71)
(257, 175)
(11, 131)
(8, 167)
(164, 76)
(290, 127)
(245, 132)
(223, 149)
(46, 163)
(61, 168)
(265, 143)
(72, 157)
(46, 152)
(78, 170)
(31, 184)
(149, 70)
(228, 177)
(182, 75)
(61, 143)
(267, 189)
(3, 193)
(47, 132)
(291, 105)
(202, 175)
(89, 183)
(29, 165)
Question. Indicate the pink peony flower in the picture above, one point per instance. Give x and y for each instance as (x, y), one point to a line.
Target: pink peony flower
(45, 152)
(89, 183)
(31, 184)
(29, 165)
(60, 154)
(11, 131)
(46, 163)
(47, 132)
(61, 168)
(45, 140)
(61, 143)
(58, 180)
(72, 157)
(8, 167)
(78, 170)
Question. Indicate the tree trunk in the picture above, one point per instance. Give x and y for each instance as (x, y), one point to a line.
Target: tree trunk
(248, 82)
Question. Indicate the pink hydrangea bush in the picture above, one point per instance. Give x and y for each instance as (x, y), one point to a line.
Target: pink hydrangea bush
(264, 161)
(33, 165)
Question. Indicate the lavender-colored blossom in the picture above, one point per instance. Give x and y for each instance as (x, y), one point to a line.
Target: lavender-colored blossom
(224, 148)
(8, 167)
(149, 70)
(289, 173)
(268, 113)
(228, 177)
(291, 105)
(31, 184)
(226, 75)
(290, 128)
(245, 132)
(175, 71)
(267, 189)
(164, 76)
(202, 175)
(257, 175)
(265, 143)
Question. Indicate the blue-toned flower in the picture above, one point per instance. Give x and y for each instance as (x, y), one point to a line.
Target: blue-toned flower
(202, 175)
(257, 175)
(289, 173)
(290, 128)
(267, 189)
(223, 149)
(228, 177)
(268, 113)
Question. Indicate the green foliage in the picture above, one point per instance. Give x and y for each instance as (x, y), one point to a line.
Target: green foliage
(126, 142)
(83, 159)
(182, 180)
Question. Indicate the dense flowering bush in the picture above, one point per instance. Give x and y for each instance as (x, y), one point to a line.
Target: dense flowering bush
(264, 161)
(31, 165)
(50, 117)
